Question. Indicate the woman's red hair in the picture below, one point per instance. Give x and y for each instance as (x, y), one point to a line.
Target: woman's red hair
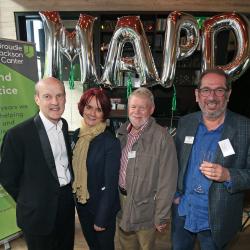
(101, 97)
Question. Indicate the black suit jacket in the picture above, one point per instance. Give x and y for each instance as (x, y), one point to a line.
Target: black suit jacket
(225, 204)
(103, 164)
(28, 173)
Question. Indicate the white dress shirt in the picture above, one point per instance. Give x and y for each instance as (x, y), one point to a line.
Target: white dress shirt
(57, 143)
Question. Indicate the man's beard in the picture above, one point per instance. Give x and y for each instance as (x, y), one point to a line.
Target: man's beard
(213, 114)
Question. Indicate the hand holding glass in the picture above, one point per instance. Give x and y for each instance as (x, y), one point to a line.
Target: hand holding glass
(199, 179)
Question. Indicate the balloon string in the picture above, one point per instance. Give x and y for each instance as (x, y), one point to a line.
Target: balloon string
(59, 74)
(173, 106)
(71, 77)
(174, 99)
(129, 85)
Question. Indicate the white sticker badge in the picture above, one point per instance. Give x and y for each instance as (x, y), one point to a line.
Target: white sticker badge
(226, 148)
(131, 154)
(189, 140)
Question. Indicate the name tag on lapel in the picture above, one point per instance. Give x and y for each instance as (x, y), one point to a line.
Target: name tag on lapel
(189, 140)
(131, 154)
(226, 147)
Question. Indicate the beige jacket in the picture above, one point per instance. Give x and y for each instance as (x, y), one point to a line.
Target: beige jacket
(151, 178)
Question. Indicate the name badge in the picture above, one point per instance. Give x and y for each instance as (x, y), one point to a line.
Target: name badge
(131, 154)
(226, 147)
(189, 140)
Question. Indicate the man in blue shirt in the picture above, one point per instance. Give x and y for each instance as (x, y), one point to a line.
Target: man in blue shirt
(213, 148)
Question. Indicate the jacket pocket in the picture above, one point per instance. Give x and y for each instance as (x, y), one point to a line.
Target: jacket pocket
(143, 211)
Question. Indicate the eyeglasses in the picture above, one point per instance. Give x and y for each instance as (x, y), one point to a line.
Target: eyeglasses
(219, 92)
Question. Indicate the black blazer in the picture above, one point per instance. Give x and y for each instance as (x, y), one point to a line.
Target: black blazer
(28, 173)
(103, 164)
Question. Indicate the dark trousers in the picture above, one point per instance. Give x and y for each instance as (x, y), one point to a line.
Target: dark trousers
(103, 240)
(62, 236)
(183, 239)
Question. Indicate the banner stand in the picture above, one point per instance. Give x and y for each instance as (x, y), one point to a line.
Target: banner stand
(8, 228)
(18, 75)
(6, 242)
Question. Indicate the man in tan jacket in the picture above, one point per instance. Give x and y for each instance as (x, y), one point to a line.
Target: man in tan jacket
(148, 174)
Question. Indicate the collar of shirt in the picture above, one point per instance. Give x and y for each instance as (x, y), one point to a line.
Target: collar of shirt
(203, 128)
(129, 129)
(50, 125)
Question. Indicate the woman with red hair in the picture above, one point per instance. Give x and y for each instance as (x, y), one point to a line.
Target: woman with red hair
(96, 163)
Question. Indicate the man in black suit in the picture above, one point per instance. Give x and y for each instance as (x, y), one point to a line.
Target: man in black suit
(35, 169)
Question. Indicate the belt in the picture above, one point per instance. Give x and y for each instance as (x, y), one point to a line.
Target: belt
(123, 191)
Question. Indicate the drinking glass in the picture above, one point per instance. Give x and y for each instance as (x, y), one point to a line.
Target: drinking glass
(199, 179)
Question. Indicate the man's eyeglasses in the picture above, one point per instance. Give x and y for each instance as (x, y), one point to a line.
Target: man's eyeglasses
(219, 92)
